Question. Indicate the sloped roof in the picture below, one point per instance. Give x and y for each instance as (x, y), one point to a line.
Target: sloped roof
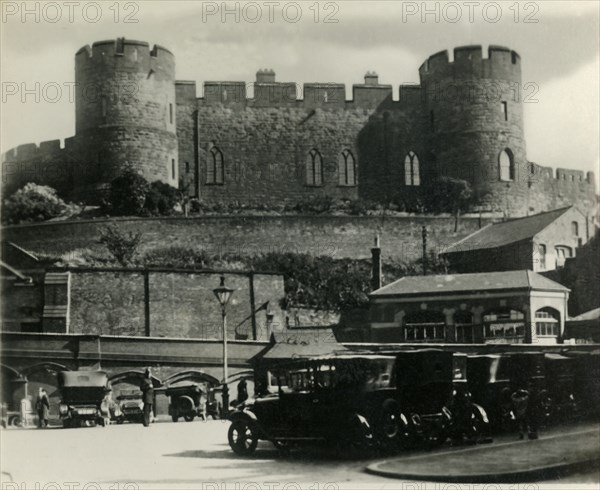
(481, 281)
(499, 234)
(588, 315)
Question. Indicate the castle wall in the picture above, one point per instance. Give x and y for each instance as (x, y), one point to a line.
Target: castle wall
(132, 113)
(336, 236)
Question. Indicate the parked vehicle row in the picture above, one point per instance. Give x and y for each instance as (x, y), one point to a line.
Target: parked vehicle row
(423, 397)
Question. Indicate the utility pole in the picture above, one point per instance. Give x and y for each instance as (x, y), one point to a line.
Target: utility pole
(424, 235)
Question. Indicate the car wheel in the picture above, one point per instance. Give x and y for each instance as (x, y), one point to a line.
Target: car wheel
(174, 418)
(15, 421)
(389, 425)
(189, 418)
(67, 424)
(242, 437)
(120, 420)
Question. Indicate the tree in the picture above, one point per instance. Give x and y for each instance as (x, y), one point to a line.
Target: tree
(127, 194)
(123, 246)
(161, 198)
(32, 203)
(448, 194)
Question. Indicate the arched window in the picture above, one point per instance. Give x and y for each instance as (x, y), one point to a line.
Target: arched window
(547, 322)
(314, 168)
(504, 326)
(411, 169)
(507, 166)
(574, 228)
(542, 255)
(214, 166)
(425, 326)
(347, 168)
(563, 252)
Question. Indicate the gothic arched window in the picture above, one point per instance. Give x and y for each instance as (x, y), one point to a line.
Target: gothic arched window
(347, 168)
(314, 168)
(214, 166)
(506, 163)
(411, 169)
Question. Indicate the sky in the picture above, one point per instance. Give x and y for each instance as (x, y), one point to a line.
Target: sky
(313, 41)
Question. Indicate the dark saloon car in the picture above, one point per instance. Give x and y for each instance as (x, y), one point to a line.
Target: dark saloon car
(345, 399)
(83, 398)
(186, 402)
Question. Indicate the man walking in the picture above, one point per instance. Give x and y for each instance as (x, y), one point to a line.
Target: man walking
(147, 396)
(43, 408)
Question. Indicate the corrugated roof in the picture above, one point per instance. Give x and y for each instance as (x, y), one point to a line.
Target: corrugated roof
(481, 281)
(511, 231)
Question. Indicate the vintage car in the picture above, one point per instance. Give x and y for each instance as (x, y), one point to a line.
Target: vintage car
(131, 407)
(346, 399)
(186, 402)
(83, 396)
(560, 384)
(434, 396)
(493, 378)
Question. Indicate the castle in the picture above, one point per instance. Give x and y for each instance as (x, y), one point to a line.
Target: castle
(288, 143)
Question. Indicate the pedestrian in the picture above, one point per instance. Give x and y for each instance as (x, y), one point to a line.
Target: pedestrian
(242, 392)
(148, 396)
(43, 408)
(520, 403)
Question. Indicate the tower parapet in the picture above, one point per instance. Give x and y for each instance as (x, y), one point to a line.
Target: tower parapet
(125, 110)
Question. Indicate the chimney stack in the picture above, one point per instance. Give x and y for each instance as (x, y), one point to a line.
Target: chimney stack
(265, 76)
(376, 254)
(371, 78)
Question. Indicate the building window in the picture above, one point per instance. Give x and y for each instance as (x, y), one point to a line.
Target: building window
(504, 326)
(574, 228)
(425, 326)
(224, 94)
(187, 167)
(171, 113)
(172, 168)
(463, 323)
(314, 168)
(542, 256)
(347, 168)
(547, 322)
(103, 106)
(562, 254)
(325, 96)
(411, 169)
(504, 110)
(214, 167)
(507, 166)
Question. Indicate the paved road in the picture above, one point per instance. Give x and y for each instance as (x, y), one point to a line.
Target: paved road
(188, 455)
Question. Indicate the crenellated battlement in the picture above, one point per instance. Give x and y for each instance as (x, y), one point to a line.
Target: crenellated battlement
(127, 53)
(468, 62)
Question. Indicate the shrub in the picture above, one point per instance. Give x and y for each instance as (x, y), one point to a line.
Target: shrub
(161, 198)
(176, 256)
(33, 203)
(123, 246)
(127, 194)
(314, 204)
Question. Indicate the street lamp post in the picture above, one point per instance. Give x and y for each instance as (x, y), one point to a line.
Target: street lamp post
(223, 295)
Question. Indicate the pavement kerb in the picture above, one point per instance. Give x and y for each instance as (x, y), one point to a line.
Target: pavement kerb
(532, 474)
(526, 475)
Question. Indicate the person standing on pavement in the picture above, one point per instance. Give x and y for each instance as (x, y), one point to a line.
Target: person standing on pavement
(520, 407)
(43, 408)
(147, 396)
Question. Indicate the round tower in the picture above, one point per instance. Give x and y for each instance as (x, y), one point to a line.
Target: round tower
(125, 111)
(474, 121)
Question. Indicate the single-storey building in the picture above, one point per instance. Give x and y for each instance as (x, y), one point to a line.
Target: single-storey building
(496, 307)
